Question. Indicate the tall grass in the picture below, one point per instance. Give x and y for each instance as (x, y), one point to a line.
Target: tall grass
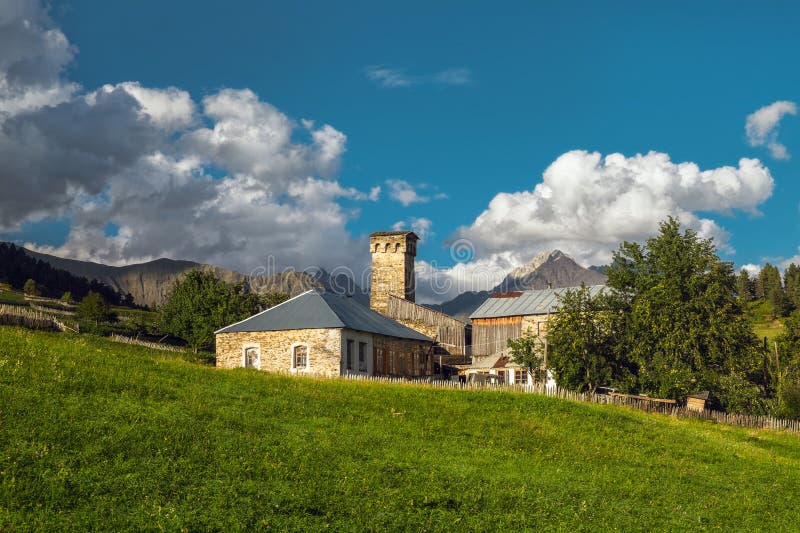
(99, 435)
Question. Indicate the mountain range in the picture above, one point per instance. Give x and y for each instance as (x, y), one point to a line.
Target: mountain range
(149, 283)
(547, 270)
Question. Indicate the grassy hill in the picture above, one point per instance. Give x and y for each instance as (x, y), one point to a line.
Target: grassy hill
(99, 435)
(765, 324)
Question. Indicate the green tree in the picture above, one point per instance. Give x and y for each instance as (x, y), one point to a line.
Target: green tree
(584, 338)
(273, 298)
(93, 308)
(528, 351)
(791, 282)
(30, 288)
(785, 367)
(772, 290)
(745, 286)
(66, 297)
(685, 328)
(200, 304)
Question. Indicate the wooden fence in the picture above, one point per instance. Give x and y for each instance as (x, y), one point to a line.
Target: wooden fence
(12, 315)
(154, 345)
(51, 310)
(647, 405)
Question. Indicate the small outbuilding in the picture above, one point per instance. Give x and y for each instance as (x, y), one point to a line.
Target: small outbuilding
(326, 334)
(697, 402)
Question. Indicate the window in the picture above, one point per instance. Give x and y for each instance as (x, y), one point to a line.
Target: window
(349, 365)
(252, 357)
(300, 356)
(362, 356)
(520, 376)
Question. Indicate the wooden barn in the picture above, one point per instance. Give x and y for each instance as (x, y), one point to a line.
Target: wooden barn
(510, 315)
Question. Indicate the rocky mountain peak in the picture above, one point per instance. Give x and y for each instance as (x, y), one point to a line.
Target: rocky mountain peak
(549, 269)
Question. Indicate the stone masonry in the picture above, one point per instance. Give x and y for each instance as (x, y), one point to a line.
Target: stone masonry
(324, 349)
(393, 255)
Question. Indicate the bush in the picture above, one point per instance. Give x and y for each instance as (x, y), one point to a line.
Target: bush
(31, 288)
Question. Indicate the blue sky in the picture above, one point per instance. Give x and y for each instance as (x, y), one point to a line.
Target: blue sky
(453, 103)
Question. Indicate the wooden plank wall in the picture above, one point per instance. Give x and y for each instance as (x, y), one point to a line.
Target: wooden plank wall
(450, 333)
(491, 335)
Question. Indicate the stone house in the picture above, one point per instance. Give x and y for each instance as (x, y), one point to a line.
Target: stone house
(324, 334)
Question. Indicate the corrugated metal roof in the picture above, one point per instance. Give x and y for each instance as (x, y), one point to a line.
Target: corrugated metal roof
(536, 302)
(316, 310)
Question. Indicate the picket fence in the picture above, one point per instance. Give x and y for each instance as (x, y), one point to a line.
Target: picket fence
(154, 345)
(741, 420)
(51, 310)
(13, 315)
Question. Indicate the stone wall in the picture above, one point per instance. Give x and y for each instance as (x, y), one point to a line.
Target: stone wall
(392, 267)
(324, 349)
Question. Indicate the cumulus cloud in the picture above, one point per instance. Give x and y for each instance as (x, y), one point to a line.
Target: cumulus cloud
(762, 127)
(33, 55)
(393, 78)
(407, 193)
(586, 204)
(224, 181)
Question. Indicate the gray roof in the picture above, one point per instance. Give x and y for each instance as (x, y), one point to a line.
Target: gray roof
(537, 302)
(316, 310)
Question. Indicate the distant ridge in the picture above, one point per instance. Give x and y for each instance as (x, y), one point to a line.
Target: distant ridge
(150, 282)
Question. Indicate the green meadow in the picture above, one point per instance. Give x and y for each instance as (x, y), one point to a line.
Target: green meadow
(98, 435)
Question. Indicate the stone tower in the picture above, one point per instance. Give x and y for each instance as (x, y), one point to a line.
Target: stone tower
(393, 255)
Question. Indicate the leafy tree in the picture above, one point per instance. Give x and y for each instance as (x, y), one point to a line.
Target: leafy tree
(93, 308)
(200, 304)
(685, 330)
(66, 297)
(273, 298)
(584, 340)
(31, 288)
(528, 351)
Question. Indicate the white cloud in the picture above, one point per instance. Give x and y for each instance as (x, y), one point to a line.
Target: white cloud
(436, 284)
(170, 108)
(586, 204)
(33, 53)
(389, 77)
(374, 193)
(393, 78)
(421, 226)
(407, 193)
(751, 269)
(453, 76)
(762, 127)
(142, 159)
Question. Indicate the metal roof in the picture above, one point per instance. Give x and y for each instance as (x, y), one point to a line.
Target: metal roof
(316, 310)
(536, 302)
